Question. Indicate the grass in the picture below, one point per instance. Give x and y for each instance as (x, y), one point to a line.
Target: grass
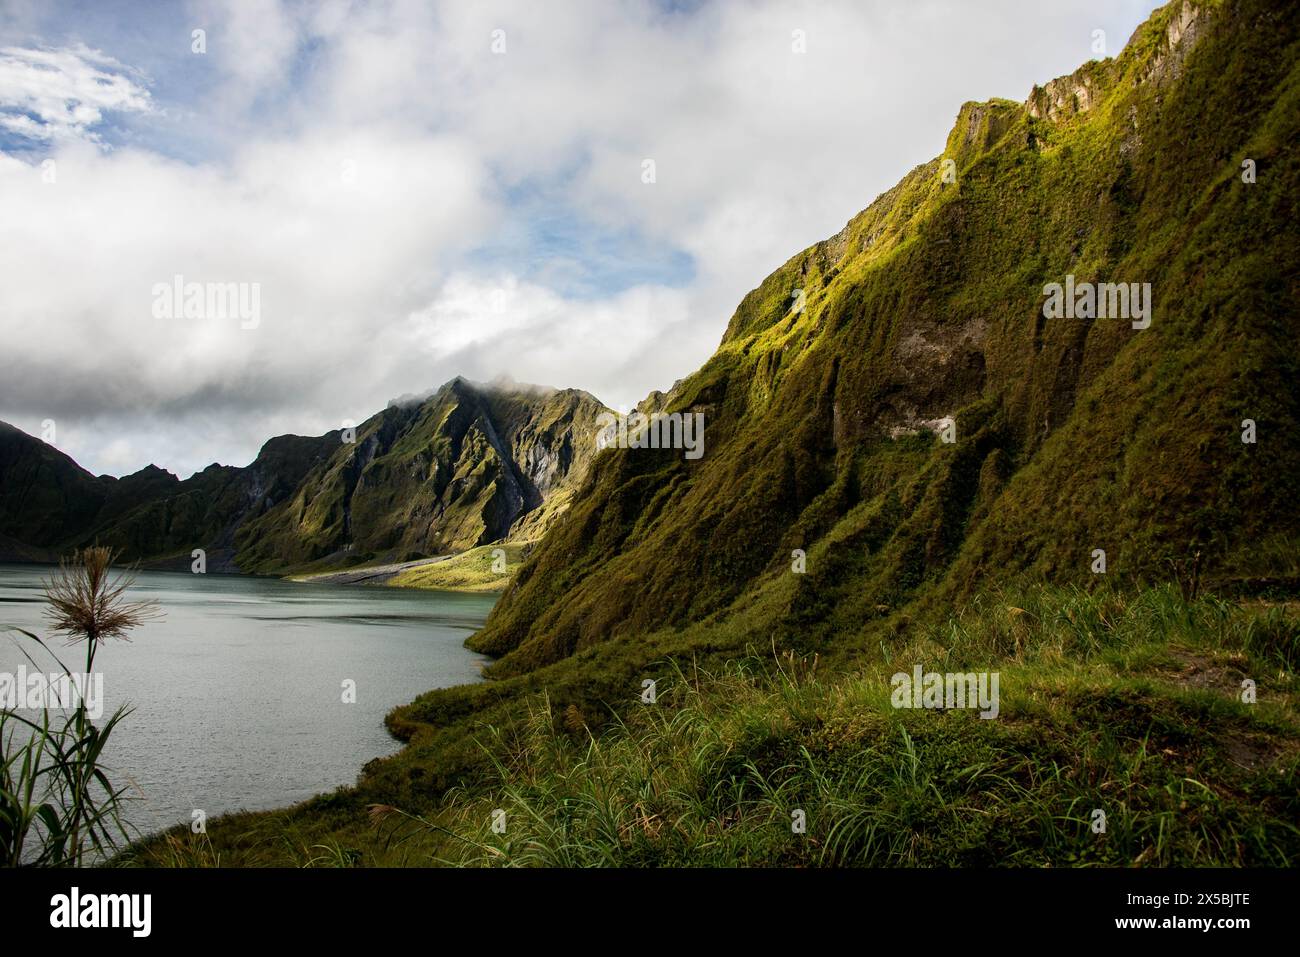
(57, 804)
(485, 569)
(1124, 703)
(1127, 705)
(1071, 435)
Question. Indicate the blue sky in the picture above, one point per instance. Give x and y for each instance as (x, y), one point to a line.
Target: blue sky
(415, 203)
(546, 239)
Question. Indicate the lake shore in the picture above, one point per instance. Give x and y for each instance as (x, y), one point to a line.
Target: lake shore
(216, 725)
(367, 575)
(486, 569)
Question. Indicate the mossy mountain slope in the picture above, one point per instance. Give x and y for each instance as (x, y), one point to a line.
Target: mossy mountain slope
(464, 467)
(467, 465)
(824, 398)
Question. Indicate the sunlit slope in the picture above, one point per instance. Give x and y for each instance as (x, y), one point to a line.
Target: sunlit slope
(825, 397)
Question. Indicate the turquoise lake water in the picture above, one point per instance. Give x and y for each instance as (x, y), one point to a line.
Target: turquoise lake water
(238, 689)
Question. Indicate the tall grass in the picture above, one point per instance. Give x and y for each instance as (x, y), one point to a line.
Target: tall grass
(57, 804)
(1124, 702)
(1099, 713)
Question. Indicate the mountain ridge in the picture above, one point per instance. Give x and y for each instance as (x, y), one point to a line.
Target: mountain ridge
(824, 396)
(241, 516)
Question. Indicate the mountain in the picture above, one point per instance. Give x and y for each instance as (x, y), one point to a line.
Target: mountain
(930, 316)
(464, 466)
(829, 541)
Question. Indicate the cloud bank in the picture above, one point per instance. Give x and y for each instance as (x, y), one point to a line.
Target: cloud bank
(421, 191)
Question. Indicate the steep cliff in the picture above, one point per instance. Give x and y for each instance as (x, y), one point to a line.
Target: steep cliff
(466, 466)
(828, 402)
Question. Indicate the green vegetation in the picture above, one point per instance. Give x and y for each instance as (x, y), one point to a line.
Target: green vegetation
(828, 538)
(50, 506)
(1121, 692)
(1125, 702)
(1071, 435)
(464, 466)
(1125, 706)
(474, 570)
(57, 805)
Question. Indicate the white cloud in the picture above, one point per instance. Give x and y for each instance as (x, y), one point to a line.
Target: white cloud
(60, 94)
(254, 43)
(610, 346)
(361, 152)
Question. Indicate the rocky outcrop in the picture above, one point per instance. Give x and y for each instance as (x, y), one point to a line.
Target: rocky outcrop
(1063, 97)
(1171, 34)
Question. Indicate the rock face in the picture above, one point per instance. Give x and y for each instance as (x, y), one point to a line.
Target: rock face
(1071, 435)
(1163, 51)
(464, 466)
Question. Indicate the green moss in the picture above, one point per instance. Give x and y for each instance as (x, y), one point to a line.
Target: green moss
(1072, 435)
(475, 570)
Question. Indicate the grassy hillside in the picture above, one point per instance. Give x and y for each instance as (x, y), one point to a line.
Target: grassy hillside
(1071, 434)
(484, 569)
(461, 468)
(1125, 703)
(50, 506)
(1130, 706)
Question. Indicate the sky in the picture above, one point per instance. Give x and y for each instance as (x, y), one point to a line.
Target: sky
(574, 194)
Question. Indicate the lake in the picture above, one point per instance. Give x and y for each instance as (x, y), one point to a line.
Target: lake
(238, 689)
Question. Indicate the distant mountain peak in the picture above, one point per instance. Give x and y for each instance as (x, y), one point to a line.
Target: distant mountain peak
(459, 466)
